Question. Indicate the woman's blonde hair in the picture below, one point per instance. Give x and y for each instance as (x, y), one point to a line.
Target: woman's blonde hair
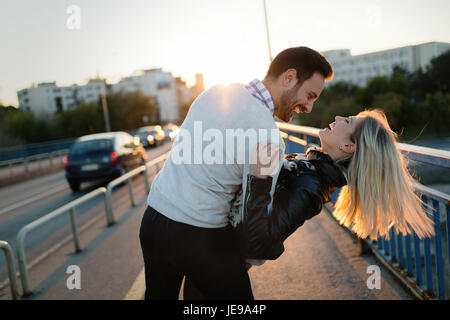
(379, 194)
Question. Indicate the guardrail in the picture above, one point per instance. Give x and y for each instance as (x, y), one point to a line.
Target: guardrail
(397, 254)
(127, 177)
(11, 269)
(25, 162)
(70, 207)
(26, 150)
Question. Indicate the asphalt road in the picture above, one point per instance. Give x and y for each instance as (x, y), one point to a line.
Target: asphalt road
(24, 202)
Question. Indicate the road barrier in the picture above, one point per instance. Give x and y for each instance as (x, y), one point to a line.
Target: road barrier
(70, 207)
(127, 177)
(25, 162)
(11, 269)
(431, 256)
(26, 150)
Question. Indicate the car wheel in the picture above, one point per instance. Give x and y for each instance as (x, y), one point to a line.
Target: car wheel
(75, 186)
(122, 171)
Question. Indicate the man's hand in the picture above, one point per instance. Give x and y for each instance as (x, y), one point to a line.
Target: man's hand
(265, 159)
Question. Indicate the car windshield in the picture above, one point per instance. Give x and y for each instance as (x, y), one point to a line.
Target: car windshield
(92, 146)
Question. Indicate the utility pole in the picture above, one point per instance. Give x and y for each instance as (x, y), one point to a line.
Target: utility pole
(267, 31)
(105, 106)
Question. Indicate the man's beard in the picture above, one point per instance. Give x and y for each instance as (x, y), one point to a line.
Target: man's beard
(287, 101)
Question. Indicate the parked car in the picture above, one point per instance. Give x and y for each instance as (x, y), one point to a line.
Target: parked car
(156, 131)
(171, 131)
(145, 138)
(102, 156)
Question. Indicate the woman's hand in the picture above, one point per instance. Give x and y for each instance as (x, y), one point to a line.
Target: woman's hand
(265, 159)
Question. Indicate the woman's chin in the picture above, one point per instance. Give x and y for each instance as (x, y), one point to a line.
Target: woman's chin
(323, 132)
(322, 135)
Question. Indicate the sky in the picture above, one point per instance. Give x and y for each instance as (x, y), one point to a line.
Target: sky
(44, 40)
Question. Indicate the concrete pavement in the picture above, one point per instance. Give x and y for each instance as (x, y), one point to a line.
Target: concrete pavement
(321, 262)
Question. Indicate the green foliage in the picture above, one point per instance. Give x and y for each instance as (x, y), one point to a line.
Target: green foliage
(126, 113)
(393, 105)
(436, 109)
(86, 119)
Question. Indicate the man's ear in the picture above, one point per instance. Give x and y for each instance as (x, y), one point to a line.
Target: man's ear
(348, 148)
(289, 78)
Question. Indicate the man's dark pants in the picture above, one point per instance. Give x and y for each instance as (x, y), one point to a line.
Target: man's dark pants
(209, 257)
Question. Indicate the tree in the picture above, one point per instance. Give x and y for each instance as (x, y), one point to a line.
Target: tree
(393, 105)
(439, 72)
(377, 85)
(128, 111)
(436, 110)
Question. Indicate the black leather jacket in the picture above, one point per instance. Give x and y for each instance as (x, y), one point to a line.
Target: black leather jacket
(303, 186)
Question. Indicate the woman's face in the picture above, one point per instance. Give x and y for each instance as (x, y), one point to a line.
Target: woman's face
(337, 136)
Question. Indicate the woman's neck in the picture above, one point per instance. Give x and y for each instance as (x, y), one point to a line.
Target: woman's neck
(333, 153)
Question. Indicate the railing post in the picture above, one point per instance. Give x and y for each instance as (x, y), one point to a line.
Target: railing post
(11, 269)
(428, 266)
(380, 243)
(73, 223)
(108, 206)
(418, 260)
(392, 241)
(20, 247)
(130, 189)
(408, 254)
(147, 183)
(401, 259)
(427, 249)
(438, 246)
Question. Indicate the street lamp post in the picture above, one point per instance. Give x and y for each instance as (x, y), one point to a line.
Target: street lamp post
(105, 107)
(267, 31)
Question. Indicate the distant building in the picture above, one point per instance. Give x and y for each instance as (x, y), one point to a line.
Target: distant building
(360, 69)
(49, 98)
(170, 92)
(46, 97)
(187, 94)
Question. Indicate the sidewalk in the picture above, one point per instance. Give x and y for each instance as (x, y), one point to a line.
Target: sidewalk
(321, 262)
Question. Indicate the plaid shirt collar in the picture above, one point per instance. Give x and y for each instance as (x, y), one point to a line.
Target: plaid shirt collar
(260, 92)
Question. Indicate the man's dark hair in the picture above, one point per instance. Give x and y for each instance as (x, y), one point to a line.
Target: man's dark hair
(304, 60)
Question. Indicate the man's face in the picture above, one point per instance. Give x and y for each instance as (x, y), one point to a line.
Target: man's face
(295, 98)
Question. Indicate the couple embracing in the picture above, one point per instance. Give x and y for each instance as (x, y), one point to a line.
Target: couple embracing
(209, 221)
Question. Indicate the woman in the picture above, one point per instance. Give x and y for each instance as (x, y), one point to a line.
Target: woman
(358, 154)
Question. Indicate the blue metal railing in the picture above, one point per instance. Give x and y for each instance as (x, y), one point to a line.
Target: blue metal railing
(32, 149)
(421, 264)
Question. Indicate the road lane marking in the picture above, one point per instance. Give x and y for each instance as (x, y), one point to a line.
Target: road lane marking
(32, 199)
(137, 290)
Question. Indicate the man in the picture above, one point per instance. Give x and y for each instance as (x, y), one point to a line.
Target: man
(185, 230)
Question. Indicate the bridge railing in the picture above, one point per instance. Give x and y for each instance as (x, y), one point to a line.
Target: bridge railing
(11, 269)
(70, 207)
(27, 150)
(42, 160)
(422, 265)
